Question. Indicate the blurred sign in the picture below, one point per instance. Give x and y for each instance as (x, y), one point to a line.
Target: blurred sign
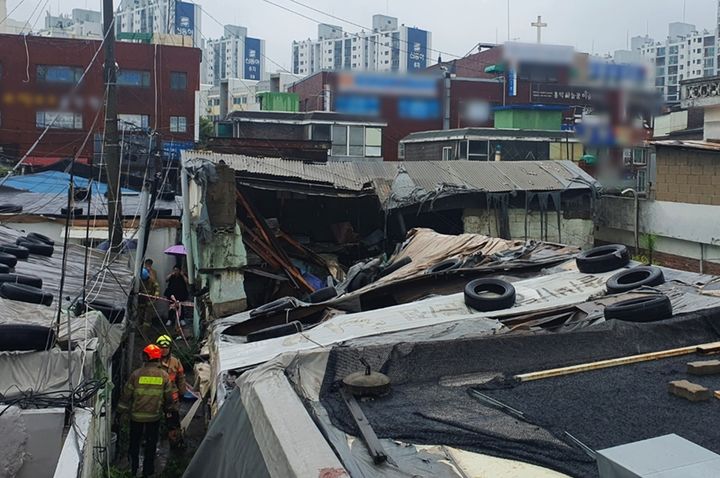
(417, 49)
(185, 18)
(252, 58)
(418, 108)
(358, 105)
(476, 111)
(380, 84)
(518, 53)
(512, 82)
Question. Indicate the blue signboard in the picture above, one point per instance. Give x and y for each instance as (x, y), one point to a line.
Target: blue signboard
(172, 149)
(512, 82)
(358, 105)
(185, 18)
(417, 49)
(419, 108)
(252, 58)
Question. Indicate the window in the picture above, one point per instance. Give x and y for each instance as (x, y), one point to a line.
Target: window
(58, 120)
(357, 141)
(447, 153)
(178, 80)
(627, 157)
(58, 74)
(639, 157)
(478, 151)
(129, 121)
(178, 124)
(463, 150)
(401, 151)
(133, 78)
(339, 141)
(373, 142)
(642, 180)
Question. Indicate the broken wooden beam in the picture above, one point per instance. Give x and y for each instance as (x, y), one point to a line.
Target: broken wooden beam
(616, 362)
(689, 391)
(706, 367)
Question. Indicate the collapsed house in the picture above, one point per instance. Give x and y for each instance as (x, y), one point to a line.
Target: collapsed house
(556, 381)
(58, 359)
(290, 225)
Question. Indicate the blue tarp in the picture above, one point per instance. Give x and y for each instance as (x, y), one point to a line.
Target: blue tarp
(55, 182)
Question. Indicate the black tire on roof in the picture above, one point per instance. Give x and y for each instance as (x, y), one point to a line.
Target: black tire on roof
(25, 293)
(4, 268)
(503, 295)
(76, 211)
(651, 308)
(603, 259)
(26, 337)
(113, 313)
(444, 266)
(397, 265)
(8, 259)
(275, 331)
(26, 279)
(34, 236)
(19, 252)
(321, 295)
(630, 279)
(10, 208)
(35, 247)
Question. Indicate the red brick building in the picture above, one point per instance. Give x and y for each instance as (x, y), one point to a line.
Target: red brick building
(156, 90)
(471, 89)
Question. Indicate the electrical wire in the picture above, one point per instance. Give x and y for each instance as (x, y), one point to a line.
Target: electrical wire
(12, 11)
(57, 399)
(72, 92)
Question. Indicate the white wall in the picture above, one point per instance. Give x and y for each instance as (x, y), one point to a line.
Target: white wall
(574, 232)
(680, 228)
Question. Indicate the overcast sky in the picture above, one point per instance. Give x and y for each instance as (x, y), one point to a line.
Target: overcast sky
(456, 25)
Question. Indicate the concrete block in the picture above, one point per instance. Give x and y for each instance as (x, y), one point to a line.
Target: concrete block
(681, 179)
(689, 391)
(706, 367)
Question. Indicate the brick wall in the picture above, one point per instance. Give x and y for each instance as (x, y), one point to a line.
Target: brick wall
(687, 176)
(574, 232)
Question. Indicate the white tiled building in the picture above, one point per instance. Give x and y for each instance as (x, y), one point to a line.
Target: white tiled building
(235, 55)
(389, 47)
(160, 17)
(684, 55)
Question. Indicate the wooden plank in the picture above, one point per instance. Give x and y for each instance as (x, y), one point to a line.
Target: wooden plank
(717, 394)
(712, 348)
(375, 448)
(616, 362)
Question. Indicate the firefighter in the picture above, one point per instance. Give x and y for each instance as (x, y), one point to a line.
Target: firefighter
(175, 371)
(148, 394)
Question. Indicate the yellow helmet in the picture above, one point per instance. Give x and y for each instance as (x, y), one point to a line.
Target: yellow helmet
(164, 341)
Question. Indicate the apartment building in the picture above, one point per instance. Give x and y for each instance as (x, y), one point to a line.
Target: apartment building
(234, 55)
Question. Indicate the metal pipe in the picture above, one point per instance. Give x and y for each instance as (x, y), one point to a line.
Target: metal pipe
(448, 86)
(137, 266)
(188, 243)
(637, 217)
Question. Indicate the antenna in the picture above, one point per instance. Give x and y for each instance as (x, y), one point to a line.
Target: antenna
(684, 9)
(508, 18)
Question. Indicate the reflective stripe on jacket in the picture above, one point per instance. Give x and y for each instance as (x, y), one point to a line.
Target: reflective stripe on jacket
(147, 393)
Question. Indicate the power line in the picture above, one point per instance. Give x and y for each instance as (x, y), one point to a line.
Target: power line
(355, 24)
(12, 11)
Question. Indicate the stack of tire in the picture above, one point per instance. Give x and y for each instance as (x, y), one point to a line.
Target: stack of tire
(19, 287)
(113, 313)
(650, 308)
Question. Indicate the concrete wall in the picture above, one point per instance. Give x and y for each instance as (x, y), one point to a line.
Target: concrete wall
(687, 176)
(575, 232)
(685, 233)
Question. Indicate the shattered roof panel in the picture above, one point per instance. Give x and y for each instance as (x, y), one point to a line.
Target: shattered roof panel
(472, 176)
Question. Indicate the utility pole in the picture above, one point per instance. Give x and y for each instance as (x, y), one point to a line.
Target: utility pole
(111, 145)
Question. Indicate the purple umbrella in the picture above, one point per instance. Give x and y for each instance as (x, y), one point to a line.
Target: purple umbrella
(177, 250)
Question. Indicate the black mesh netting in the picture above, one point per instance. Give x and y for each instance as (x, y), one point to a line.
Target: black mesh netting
(430, 404)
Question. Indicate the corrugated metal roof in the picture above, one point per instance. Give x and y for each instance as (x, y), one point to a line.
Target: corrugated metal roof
(491, 133)
(429, 176)
(692, 144)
